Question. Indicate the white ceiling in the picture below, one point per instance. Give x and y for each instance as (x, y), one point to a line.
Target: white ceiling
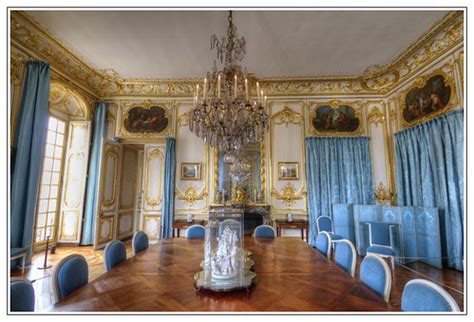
(171, 44)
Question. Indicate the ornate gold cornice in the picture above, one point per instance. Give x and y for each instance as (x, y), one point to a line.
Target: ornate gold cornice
(376, 80)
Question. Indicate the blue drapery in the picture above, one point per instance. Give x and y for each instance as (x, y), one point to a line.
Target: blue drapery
(430, 163)
(338, 170)
(27, 154)
(93, 175)
(168, 190)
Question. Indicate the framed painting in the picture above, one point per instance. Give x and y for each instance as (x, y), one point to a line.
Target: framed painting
(427, 98)
(339, 119)
(142, 119)
(288, 171)
(190, 171)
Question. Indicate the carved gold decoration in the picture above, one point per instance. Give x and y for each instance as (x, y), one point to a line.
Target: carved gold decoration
(289, 195)
(111, 151)
(382, 194)
(442, 37)
(104, 238)
(447, 72)
(239, 196)
(190, 196)
(375, 116)
(67, 102)
(183, 119)
(285, 117)
(152, 154)
(334, 104)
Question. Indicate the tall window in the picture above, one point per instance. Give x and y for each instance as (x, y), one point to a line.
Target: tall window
(48, 202)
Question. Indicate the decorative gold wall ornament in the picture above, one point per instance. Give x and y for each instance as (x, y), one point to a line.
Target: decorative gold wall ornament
(443, 36)
(152, 154)
(112, 152)
(334, 104)
(382, 194)
(289, 195)
(183, 119)
(68, 102)
(375, 116)
(287, 116)
(239, 196)
(190, 196)
(105, 236)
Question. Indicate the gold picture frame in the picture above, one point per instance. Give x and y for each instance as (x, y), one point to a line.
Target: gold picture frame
(288, 171)
(190, 171)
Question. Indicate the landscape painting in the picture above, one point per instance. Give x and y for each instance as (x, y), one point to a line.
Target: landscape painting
(434, 96)
(335, 119)
(190, 171)
(146, 120)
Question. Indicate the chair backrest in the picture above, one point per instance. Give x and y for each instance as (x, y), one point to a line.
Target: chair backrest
(323, 243)
(263, 231)
(420, 295)
(345, 256)
(22, 296)
(71, 273)
(324, 223)
(139, 242)
(375, 274)
(195, 231)
(114, 254)
(379, 234)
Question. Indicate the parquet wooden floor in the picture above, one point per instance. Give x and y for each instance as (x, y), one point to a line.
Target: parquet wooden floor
(449, 279)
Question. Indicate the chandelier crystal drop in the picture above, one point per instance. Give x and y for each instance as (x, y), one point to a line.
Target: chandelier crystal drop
(224, 114)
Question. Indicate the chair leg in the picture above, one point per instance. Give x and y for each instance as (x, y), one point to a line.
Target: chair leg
(392, 260)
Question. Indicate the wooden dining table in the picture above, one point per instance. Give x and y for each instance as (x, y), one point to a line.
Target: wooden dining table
(291, 276)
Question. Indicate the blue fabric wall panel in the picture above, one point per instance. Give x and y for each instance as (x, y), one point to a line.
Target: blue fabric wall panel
(338, 170)
(343, 220)
(428, 236)
(408, 232)
(364, 213)
(430, 172)
(391, 215)
(168, 189)
(92, 186)
(27, 154)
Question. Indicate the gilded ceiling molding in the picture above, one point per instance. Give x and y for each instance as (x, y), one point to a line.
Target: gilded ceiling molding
(376, 80)
(375, 116)
(66, 101)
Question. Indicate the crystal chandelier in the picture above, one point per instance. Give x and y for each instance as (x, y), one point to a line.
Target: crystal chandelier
(240, 167)
(224, 115)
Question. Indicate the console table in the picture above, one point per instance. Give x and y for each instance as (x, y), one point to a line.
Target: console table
(294, 224)
(183, 224)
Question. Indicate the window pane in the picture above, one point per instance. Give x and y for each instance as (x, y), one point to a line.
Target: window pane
(44, 192)
(52, 205)
(53, 123)
(53, 192)
(49, 231)
(43, 205)
(39, 234)
(48, 164)
(41, 220)
(55, 178)
(61, 127)
(58, 152)
(51, 137)
(51, 218)
(59, 139)
(57, 165)
(46, 177)
(49, 150)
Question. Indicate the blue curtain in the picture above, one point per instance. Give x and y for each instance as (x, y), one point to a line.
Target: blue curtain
(93, 175)
(430, 163)
(27, 154)
(338, 170)
(168, 190)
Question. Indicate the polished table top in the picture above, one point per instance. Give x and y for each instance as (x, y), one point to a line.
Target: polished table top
(291, 276)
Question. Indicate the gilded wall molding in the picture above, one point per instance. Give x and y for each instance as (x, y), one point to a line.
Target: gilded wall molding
(190, 195)
(376, 80)
(375, 116)
(152, 154)
(289, 195)
(382, 194)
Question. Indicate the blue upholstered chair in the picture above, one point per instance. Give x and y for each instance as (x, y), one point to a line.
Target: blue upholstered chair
(375, 274)
(16, 253)
(420, 295)
(324, 223)
(380, 241)
(195, 231)
(114, 254)
(323, 243)
(71, 273)
(264, 231)
(346, 256)
(22, 296)
(139, 242)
